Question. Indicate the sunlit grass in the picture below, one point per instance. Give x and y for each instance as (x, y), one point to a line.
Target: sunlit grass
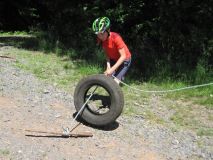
(4, 152)
(51, 68)
(15, 33)
(198, 95)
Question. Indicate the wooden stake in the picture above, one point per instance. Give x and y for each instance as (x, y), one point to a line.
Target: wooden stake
(79, 134)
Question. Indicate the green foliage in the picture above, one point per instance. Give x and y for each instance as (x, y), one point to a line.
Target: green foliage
(168, 39)
(205, 132)
(4, 152)
(15, 33)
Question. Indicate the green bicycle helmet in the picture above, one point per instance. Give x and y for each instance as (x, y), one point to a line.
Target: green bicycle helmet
(100, 25)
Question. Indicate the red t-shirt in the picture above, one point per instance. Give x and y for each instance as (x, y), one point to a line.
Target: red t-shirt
(111, 46)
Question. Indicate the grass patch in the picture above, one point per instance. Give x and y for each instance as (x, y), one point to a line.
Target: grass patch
(205, 132)
(51, 68)
(15, 33)
(131, 110)
(196, 118)
(4, 152)
(152, 117)
(202, 95)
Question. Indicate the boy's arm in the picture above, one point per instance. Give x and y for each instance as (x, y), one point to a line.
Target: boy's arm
(118, 63)
(107, 60)
(108, 63)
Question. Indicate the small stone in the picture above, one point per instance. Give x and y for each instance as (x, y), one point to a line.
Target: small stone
(20, 151)
(57, 115)
(46, 91)
(203, 155)
(211, 155)
(175, 147)
(175, 142)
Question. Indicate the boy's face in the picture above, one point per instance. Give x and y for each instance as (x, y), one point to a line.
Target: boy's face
(102, 36)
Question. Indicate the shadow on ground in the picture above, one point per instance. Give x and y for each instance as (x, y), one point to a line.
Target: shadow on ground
(25, 42)
(109, 127)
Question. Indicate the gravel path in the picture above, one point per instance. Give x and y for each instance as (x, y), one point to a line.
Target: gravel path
(28, 103)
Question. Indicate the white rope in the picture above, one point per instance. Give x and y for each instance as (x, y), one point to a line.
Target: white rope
(164, 91)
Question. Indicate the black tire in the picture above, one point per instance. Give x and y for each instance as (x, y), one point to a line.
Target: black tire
(115, 96)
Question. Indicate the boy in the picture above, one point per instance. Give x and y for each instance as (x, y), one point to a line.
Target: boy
(117, 53)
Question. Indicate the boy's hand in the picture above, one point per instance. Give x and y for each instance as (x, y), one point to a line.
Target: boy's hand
(109, 72)
(108, 67)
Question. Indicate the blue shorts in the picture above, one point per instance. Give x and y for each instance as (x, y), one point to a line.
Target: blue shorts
(122, 69)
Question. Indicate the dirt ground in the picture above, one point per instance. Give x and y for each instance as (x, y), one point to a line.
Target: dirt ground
(15, 119)
(28, 103)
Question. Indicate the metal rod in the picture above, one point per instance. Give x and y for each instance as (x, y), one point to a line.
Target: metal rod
(84, 105)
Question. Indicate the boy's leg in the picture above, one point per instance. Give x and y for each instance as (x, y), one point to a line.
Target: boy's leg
(120, 73)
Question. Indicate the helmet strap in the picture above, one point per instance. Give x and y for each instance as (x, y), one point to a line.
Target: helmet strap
(108, 31)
